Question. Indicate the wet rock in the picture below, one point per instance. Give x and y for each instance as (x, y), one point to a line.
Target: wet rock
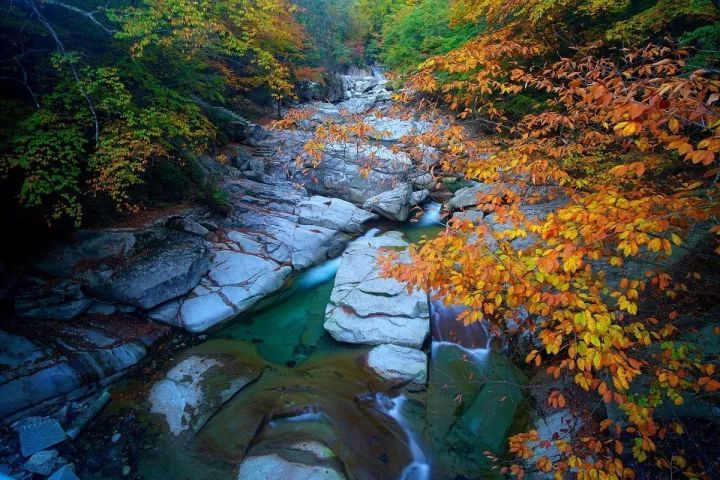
(399, 364)
(469, 196)
(89, 350)
(190, 226)
(198, 385)
(273, 466)
(470, 418)
(333, 213)
(419, 197)
(393, 204)
(38, 433)
(44, 462)
(236, 282)
(365, 308)
(66, 472)
(158, 275)
(47, 301)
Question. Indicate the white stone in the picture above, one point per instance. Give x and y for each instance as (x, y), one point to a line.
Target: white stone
(178, 396)
(399, 364)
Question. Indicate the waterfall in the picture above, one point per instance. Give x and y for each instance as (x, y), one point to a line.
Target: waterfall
(431, 215)
(319, 274)
(324, 272)
(419, 468)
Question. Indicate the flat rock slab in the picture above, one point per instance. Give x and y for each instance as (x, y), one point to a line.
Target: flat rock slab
(394, 204)
(38, 433)
(235, 282)
(199, 384)
(333, 213)
(365, 308)
(159, 275)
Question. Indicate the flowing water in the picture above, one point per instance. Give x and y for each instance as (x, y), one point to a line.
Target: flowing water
(316, 390)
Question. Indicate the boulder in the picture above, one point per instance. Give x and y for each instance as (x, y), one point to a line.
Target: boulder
(273, 467)
(157, 275)
(333, 213)
(38, 433)
(367, 309)
(393, 204)
(66, 472)
(399, 364)
(235, 282)
(44, 462)
(188, 225)
(468, 196)
(419, 197)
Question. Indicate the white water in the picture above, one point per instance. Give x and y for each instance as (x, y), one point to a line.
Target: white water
(419, 468)
(431, 215)
(480, 355)
(319, 274)
(324, 272)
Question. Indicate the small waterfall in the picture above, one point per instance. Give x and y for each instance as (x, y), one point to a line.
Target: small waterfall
(431, 215)
(318, 275)
(325, 272)
(373, 232)
(419, 468)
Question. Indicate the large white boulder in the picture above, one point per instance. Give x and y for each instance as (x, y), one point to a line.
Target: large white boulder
(367, 309)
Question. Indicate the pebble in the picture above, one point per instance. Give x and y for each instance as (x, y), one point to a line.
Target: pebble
(125, 471)
(115, 438)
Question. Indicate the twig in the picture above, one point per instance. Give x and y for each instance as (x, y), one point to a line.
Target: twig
(61, 49)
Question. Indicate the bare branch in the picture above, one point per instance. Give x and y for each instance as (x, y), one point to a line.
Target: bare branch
(61, 49)
(90, 15)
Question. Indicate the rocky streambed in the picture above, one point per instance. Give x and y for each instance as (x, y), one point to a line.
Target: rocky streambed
(303, 362)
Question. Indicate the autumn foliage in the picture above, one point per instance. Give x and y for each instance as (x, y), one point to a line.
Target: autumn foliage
(593, 193)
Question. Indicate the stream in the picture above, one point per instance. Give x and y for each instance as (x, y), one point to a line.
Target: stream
(315, 394)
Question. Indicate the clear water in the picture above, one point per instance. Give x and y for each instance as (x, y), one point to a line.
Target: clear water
(314, 388)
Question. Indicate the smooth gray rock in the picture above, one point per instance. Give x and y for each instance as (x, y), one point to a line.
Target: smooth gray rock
(38, 433)
(66, 472)
(333, 213)
(158, 275)
(468, 196)
(419, 197)
(393, 204)
(190, 226)
(44, 462)
(367, 309)
(236, 282)
(399, 364)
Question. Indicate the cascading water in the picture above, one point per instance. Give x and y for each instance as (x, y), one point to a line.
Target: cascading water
(419, 468)
(324, 272)
(431, 215)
